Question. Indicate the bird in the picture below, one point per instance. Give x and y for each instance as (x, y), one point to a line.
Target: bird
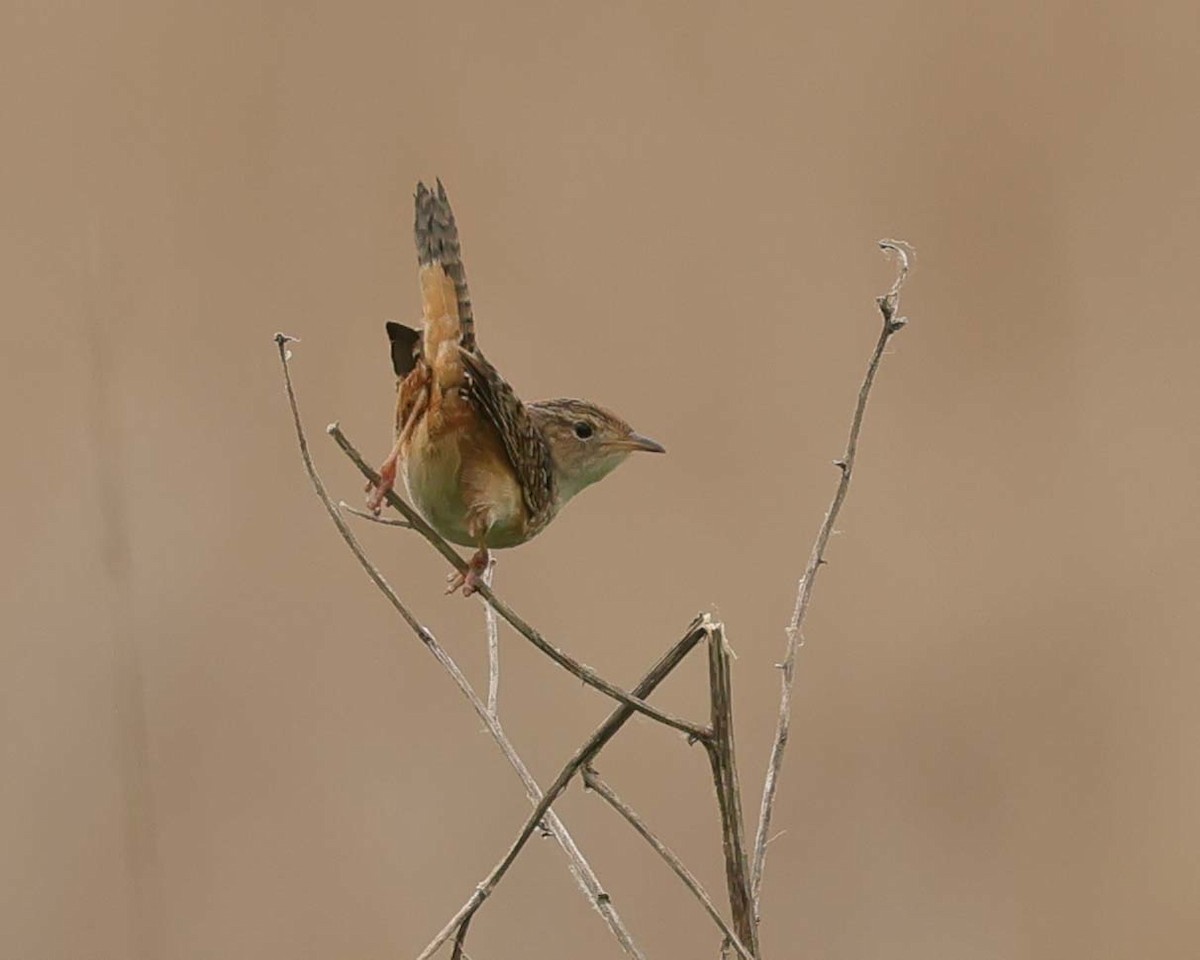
(484, 468)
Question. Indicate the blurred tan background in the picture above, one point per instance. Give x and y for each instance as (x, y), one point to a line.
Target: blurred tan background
(218, 741)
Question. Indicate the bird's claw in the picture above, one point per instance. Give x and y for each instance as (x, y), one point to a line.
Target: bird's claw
(377, 492)
(471, 580)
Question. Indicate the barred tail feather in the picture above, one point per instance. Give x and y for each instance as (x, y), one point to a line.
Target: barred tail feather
(436, 236)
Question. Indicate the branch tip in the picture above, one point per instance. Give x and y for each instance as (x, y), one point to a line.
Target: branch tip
(903, 252)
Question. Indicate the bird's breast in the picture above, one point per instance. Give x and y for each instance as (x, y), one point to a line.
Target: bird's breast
(460, 479)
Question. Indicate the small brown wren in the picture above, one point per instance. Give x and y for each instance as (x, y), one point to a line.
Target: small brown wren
(484, 468)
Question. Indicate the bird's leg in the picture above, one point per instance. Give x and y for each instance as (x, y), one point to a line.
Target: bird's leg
(377, 493)
(477, 566)
(387, 472)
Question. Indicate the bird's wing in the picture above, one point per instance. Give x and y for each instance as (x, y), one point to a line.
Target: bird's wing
(524, 443)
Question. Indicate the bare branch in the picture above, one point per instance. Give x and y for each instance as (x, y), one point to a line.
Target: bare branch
(889, 305)
(368, 515)
(590, 748)
(729, 792)
(568, 663)
(582, 871)
(595, 782)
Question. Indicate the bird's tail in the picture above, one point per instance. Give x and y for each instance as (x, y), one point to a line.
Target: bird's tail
(440, 258)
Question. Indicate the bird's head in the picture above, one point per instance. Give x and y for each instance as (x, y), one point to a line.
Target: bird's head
(586, 442)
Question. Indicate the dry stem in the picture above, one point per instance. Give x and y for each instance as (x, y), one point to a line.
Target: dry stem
(596, 783)
(722, 758)
(888, 305)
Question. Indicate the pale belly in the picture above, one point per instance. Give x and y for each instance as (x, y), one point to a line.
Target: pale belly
(450, 480)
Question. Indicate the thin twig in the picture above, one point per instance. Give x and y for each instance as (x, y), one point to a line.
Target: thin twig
(581, 870)
(368, 515)
(590, 748)
(722, 758)
(889, 305)
(460, 938)
(585, 673)
(595, 782)
(493, 643)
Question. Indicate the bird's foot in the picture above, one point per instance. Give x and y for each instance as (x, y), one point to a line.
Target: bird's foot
(470, 580)
(377, 493)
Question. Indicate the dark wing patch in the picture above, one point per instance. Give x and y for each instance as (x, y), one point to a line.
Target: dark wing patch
(523, 442)
(406, 347)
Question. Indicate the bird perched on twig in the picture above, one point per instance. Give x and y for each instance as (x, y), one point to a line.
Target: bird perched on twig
(485, 469)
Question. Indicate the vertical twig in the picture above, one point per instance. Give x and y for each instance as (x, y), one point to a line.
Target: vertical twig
(722, 758)
(493, 642)
(889, 305)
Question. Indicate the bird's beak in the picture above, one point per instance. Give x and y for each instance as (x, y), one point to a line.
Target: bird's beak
(636, 441)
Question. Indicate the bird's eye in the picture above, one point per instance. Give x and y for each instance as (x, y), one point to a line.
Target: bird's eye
(583, 430)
